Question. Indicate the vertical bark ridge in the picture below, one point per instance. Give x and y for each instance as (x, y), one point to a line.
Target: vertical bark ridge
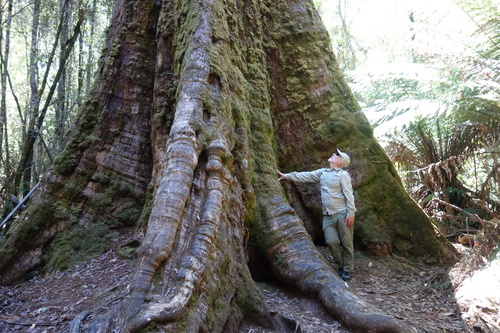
(194, 264)
(180, 161)
(214, 211)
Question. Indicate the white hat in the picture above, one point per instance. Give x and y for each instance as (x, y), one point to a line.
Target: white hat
(346, 158)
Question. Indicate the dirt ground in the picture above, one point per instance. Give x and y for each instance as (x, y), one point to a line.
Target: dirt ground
(430, 298)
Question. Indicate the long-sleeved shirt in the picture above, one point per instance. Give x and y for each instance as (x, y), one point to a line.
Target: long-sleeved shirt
(336, 188)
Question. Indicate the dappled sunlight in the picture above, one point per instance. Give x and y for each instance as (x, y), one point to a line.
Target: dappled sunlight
(479, 294)
(476, 282)
(484, 283)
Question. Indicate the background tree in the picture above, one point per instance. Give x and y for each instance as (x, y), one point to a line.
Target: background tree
(26, 97)
(4, 61)
(38, 108)
(439, 89)
(196, 105)
(339, 15)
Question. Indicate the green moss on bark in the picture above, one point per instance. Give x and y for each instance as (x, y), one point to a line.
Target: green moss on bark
(78, 245)
(67, 160)
(315, 112)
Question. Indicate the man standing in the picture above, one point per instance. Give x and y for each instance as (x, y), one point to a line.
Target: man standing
(338, 208)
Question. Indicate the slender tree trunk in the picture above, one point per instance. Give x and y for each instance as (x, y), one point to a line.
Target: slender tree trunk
(89, 69)
(5, 52)
(5, 205)
(22, 178)
(61, 105)
(196, 105)
(37, 114)
(81, 66)
(4, 133)
(351, 54)
(24, 169)
(3, 108)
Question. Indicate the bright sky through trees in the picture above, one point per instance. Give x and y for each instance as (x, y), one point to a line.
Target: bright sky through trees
(416, 43)
(384, 30)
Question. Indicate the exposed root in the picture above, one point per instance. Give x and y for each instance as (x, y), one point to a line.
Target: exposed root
(74, 326)
(296, 261)
(173, 190)
(194, 265)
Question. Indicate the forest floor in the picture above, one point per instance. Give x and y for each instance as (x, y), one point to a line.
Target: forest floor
(431, 298)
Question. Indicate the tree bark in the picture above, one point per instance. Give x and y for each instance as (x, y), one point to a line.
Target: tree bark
(4, 58)
(61, 108)
(197, 104)
(22, 176)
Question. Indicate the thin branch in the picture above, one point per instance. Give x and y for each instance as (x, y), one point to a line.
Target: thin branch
(28, 146)
(473, 217)
(18, 105)
(475, 22)
(486, 208)
(69, 47)
(44, 143)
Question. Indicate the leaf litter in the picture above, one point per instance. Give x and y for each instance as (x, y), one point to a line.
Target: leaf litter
(431, 298)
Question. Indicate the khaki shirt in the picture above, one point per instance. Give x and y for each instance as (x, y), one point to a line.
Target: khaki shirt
(336, 188)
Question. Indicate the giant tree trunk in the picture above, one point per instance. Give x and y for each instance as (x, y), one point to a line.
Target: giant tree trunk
(197, 104)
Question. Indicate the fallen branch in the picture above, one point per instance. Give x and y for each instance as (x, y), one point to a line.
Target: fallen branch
(486, 208)
(473, 217)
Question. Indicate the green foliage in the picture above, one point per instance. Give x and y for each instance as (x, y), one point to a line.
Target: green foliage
(393, 85)
(21, 94)
(101, 203)
(444, 104)
(434, 152)
(485, 15)
(434, 140)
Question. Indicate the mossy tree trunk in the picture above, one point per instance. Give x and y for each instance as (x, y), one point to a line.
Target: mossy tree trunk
(196, 106)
